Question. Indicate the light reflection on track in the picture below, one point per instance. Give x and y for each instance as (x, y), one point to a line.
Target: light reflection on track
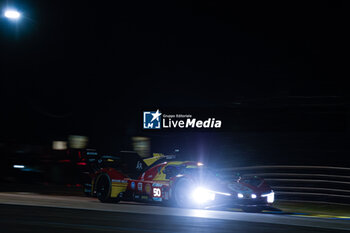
(85, 203)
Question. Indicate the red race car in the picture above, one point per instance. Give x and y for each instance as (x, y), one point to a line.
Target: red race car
(180, 183)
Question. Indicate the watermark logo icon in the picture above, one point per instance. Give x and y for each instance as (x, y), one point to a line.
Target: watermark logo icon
(152, 120)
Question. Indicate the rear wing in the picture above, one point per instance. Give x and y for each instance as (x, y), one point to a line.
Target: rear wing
(129, 163)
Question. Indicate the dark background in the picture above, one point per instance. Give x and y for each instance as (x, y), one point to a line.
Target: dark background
(273, 72)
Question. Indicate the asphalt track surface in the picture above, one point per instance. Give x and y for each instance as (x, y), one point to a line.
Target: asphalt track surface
(27, 212)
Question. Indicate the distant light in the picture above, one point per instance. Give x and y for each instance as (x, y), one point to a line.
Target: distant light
(18, 166)
(12, 14)
(240, 195)
(253, 196)
(59, 145)
(200, 164)
(77, 141)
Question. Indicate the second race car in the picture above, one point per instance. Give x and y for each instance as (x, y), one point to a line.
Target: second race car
(186, 184)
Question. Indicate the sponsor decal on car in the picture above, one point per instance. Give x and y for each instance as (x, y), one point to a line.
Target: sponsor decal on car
(120, 181)
(148, 188)
(157, 192)
(156, 185)
(139, 165)
(166, 195)
(139, 186)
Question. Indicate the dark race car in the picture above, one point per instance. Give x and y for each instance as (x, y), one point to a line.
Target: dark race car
(179, 183)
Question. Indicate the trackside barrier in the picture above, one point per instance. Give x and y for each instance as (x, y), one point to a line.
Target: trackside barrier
(301, 183)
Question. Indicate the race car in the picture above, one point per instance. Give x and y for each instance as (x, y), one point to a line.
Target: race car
(185, 184)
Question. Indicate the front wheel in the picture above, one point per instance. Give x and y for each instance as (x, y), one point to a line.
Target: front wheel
(182, 197)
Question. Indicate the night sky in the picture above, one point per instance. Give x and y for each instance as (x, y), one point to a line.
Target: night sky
(92, 67)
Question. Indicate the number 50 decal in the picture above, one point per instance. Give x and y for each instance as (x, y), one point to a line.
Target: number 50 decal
(157, 192)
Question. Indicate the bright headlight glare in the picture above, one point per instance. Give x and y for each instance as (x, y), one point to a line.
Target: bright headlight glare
(12, 14)
(270, 197)
(240, 195)
(201, 195)
(253, 196)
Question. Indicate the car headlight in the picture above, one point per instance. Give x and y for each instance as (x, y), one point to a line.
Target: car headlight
(270, 197)
(201, 195)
